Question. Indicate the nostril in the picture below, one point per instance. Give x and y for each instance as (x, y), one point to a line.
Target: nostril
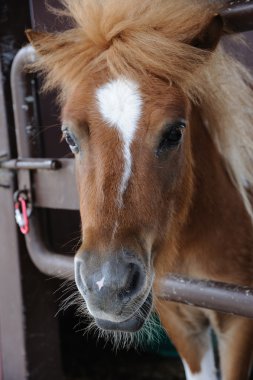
(134, 276)
(132, 284)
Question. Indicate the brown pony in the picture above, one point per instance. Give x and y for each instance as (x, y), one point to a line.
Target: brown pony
(159, 118)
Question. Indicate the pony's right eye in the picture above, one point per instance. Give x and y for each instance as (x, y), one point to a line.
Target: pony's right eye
(70, 140)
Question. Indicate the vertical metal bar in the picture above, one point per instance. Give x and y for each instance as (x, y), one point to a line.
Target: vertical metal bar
(11, 308)
(25, 56)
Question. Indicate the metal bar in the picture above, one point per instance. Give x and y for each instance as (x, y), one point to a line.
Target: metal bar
(47, 262)
(222, 297)
(238, 16)
(31, 164)
(25, 56)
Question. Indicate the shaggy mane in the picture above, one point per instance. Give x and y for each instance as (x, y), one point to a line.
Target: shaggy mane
(152, 39)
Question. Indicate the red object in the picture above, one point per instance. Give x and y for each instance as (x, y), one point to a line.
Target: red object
(22, 215)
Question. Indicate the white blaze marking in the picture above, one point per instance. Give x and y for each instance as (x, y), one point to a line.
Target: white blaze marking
(100, 283)
(208, 370)
(120, 104)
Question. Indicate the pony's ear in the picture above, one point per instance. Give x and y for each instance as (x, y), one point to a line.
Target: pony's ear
(35, 37)
(42, 42)
(209, 37)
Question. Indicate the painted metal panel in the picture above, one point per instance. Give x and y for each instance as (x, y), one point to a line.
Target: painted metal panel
(11, 306)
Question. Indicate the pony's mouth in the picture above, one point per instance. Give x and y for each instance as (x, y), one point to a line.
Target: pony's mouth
(133, 324)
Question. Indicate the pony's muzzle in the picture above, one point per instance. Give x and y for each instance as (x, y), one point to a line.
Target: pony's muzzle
(114, 288)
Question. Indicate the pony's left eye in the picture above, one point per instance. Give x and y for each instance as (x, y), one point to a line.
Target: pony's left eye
(70, 140)
(171, 138)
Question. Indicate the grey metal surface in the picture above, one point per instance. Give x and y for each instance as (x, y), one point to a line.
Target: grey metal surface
(11, 308)
(57, 189)
(1, 361)
(25, 56)
(50, 263)
(4, 140)
(30, 164)
(226, 298)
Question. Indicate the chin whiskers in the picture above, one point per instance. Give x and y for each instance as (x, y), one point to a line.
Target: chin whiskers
(149, 333)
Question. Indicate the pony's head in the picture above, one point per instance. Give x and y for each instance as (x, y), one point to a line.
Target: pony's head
(134, 171)
(126, 72)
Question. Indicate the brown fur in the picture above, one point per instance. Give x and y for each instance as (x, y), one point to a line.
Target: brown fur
(189, 213)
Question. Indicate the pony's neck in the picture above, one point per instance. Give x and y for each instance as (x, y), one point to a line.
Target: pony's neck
(218, 226)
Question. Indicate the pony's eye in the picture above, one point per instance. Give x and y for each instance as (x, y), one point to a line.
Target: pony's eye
(171, 138)
(70, 140)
